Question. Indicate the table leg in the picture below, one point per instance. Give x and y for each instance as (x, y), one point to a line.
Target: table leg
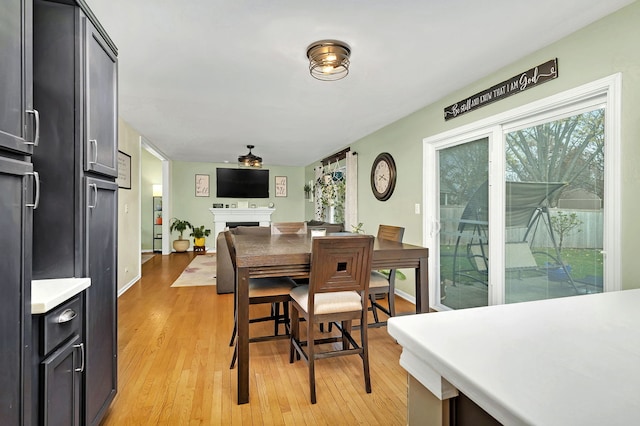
(242, 309)
(422, 286)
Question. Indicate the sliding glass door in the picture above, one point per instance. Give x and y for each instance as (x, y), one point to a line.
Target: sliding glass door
(527, 207)
(554, 208)
(464, 212)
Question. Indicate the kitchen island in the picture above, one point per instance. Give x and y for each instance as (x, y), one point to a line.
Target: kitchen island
(568, 361)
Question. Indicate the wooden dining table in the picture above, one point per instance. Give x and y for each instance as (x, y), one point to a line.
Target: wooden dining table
(261, 256)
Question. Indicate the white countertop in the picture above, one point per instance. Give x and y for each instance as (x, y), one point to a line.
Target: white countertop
(568, 361)
(47, 294)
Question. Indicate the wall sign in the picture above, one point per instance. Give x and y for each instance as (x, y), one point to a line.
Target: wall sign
(528, 79)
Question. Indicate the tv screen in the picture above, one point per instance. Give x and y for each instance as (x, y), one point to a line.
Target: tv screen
(242, 183)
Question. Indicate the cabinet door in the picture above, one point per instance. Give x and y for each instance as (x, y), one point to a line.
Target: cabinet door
(100, 336)
(17, 118)
(61, 373)
(15, 288)
(101, 114)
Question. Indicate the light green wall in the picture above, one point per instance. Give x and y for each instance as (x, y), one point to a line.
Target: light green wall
(604, 48)
(151, 174)
(185, 205)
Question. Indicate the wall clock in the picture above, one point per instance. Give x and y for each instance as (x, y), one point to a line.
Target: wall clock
(383, 176)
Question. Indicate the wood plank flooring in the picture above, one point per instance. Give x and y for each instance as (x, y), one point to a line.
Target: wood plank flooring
(174, 354)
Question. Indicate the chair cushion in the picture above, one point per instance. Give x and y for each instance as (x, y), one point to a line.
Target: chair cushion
(378, 280)
(328, 303)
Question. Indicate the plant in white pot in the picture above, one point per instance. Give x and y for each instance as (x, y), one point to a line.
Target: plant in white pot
(181, 244)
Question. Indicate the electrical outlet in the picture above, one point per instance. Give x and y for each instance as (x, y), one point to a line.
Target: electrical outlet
(417, 208)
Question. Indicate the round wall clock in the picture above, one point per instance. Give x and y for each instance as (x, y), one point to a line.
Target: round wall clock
(383, 176)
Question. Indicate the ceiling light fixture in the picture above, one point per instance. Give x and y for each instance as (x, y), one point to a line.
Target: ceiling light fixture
(328, 59)
(250, 160)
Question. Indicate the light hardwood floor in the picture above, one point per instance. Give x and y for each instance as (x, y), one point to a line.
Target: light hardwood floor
(173, 365)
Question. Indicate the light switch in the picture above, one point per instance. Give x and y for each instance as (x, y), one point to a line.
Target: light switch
(417, 208)
(126, 208)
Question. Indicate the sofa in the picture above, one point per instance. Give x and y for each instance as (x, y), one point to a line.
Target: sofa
(224, 269)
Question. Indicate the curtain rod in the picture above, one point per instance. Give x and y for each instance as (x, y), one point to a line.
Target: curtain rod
(340, 155)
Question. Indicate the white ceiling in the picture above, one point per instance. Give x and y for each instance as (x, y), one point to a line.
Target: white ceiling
(201, 79)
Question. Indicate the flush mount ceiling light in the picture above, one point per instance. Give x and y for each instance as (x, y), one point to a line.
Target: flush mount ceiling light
(250, 160)
(328, 59)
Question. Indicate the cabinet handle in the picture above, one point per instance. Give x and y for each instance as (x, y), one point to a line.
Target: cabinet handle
(94, 142)
(36, 201)
(81, 368)
(95, 195)
(36, 137)
(66, 316)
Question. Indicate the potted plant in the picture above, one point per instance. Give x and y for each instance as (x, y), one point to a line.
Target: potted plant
(199, 233)
(307, 191)
(181, 244)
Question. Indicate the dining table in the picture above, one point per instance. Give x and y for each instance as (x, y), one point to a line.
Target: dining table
(262, 256)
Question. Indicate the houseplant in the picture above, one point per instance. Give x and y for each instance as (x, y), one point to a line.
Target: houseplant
(199, 233)
(179, 225)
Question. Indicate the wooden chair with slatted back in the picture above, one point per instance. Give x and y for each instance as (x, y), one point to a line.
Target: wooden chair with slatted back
(380, 283)
(283, 228)
(337, 293)
(274, 291)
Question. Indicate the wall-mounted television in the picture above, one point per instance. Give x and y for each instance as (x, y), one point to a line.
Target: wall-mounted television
(242, 183)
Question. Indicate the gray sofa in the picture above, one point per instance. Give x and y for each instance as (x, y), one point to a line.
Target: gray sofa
(224, 270)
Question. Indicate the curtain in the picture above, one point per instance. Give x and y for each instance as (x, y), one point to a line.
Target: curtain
(351, 201)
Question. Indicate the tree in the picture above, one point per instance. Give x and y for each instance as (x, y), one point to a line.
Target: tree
(563, 224)
(569, 150)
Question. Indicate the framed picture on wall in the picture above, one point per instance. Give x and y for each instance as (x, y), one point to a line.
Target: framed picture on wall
(202, 185)
(281, 186)
(124, 170)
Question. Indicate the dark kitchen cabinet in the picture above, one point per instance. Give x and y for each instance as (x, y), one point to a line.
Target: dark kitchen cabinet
(101, 311)
(75, 228)
(101, 154)
(16, 205)
(18, 119)
(58, 364)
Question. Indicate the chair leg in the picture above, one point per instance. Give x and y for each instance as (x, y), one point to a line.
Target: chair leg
(311, 355)
(275, 313)
(373, 308)
(295, 333)
(234, 358)
(365, 352)
(235, 329)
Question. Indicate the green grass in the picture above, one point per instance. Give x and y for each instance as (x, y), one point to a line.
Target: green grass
(583, 262)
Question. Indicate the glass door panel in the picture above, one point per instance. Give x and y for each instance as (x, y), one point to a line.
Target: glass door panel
(554, 208)
(464, 213)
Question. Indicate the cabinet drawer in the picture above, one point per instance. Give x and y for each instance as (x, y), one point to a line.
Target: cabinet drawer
(60, 324)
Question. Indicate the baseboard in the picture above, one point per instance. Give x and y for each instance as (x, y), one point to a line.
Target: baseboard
(129, 285)
(406, 296)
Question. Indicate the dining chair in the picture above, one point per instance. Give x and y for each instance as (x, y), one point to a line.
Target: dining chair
(336, 293)
(282, 228)
(274, 291)
(381, 284)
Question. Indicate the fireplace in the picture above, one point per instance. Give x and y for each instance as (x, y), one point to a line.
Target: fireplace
(236, 224)
(224, 218)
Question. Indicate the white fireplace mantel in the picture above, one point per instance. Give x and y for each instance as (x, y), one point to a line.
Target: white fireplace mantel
(262, 215)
